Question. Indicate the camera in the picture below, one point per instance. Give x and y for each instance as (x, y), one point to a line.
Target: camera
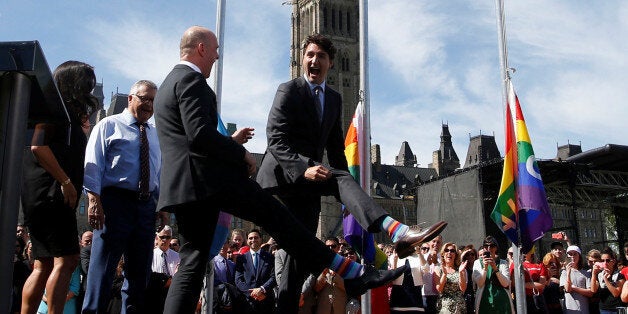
(486, 254)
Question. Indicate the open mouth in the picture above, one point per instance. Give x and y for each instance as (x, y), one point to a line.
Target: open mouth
(315, 71)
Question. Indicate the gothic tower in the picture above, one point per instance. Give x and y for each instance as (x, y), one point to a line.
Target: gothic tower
(338, 20)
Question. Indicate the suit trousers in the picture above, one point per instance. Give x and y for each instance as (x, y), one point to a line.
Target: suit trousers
(304, 201)
(129, 229)
(245, 199)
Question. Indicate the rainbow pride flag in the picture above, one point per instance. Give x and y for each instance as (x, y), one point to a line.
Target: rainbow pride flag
(522, 201)
(361, 240)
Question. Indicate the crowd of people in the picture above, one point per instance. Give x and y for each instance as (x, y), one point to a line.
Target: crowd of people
(441, 278)
(181, 165)
(131, 168)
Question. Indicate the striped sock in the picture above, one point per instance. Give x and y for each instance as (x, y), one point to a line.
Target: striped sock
(346, 268)
(394, 228)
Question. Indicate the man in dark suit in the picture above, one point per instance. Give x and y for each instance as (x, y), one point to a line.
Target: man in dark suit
(255, 275)
(303, 123)
(207, 171)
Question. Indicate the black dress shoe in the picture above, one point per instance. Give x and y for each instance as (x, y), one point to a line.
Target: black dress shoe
(371, 278)
(405, 246)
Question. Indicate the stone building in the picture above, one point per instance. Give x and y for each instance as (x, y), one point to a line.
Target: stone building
(445, 160)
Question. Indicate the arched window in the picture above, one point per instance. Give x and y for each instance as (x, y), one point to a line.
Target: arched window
(340, 25)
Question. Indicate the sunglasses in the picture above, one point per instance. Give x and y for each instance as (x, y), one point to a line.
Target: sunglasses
(449, 251)
(165, 237)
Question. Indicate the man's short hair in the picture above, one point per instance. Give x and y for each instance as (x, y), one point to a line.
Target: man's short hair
(166, 228)
(135, 87)
(259, 233)
(321, 41)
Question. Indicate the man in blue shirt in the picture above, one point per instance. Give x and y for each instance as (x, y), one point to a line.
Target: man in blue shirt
(122, 164)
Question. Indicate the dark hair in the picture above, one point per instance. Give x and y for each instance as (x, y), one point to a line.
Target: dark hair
(75, 81)
(256, 231)
(334, 239)
(322, 42)
(490, 240)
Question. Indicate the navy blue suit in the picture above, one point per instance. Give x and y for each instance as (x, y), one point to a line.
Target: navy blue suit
(248, 277)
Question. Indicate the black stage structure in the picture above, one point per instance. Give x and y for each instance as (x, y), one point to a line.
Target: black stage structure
(28, 95)
(587, 194)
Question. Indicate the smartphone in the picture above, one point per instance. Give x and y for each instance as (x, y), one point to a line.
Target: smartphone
(601, 265)
(557, 236)
(486, 254)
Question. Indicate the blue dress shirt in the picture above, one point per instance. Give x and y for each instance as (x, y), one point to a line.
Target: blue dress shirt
(321, 96)
(112, 156)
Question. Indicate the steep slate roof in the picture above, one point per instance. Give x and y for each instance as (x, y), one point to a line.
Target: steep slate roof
(118, 103)
(405, 156)
(482, 148)
(387, 177)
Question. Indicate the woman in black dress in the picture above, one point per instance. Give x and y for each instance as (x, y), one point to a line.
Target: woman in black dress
(52, 175)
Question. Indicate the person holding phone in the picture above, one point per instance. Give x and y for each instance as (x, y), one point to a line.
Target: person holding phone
(608, 281)
(576, 283)
(490, 274)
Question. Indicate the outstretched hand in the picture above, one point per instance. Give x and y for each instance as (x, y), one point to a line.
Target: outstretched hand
(243, 135)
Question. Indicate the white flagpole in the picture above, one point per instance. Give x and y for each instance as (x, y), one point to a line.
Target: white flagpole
(217, 78)
(365, 176)
(505, 77)
(221, 6)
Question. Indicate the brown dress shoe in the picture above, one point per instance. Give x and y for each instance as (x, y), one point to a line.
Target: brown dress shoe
(405, 245)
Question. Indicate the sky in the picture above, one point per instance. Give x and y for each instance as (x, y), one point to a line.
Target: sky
(430, 62)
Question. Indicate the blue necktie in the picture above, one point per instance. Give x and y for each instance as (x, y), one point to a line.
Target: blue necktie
(255, 261)
(317, 101)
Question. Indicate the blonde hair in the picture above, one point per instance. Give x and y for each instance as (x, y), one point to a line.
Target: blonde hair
(457, 258)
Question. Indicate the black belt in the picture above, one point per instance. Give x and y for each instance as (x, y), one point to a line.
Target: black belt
(128, 193)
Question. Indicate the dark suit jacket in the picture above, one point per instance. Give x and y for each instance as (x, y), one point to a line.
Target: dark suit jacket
(197, 159)
(247, 278)
(296, 140)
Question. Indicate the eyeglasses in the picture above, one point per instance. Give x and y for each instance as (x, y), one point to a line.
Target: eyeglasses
(424, 248)
(449, 251)
(165, 237)
(144, 99)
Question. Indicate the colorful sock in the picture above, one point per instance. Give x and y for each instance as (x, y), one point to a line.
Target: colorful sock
(394, 228)
(346, 268)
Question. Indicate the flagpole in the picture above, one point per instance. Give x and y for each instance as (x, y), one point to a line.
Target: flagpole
(217, 78)
(505, 77)
(365, 176)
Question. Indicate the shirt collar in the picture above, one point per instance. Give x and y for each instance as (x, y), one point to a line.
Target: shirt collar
(191, 65)
(322, 85)
(129, 119)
